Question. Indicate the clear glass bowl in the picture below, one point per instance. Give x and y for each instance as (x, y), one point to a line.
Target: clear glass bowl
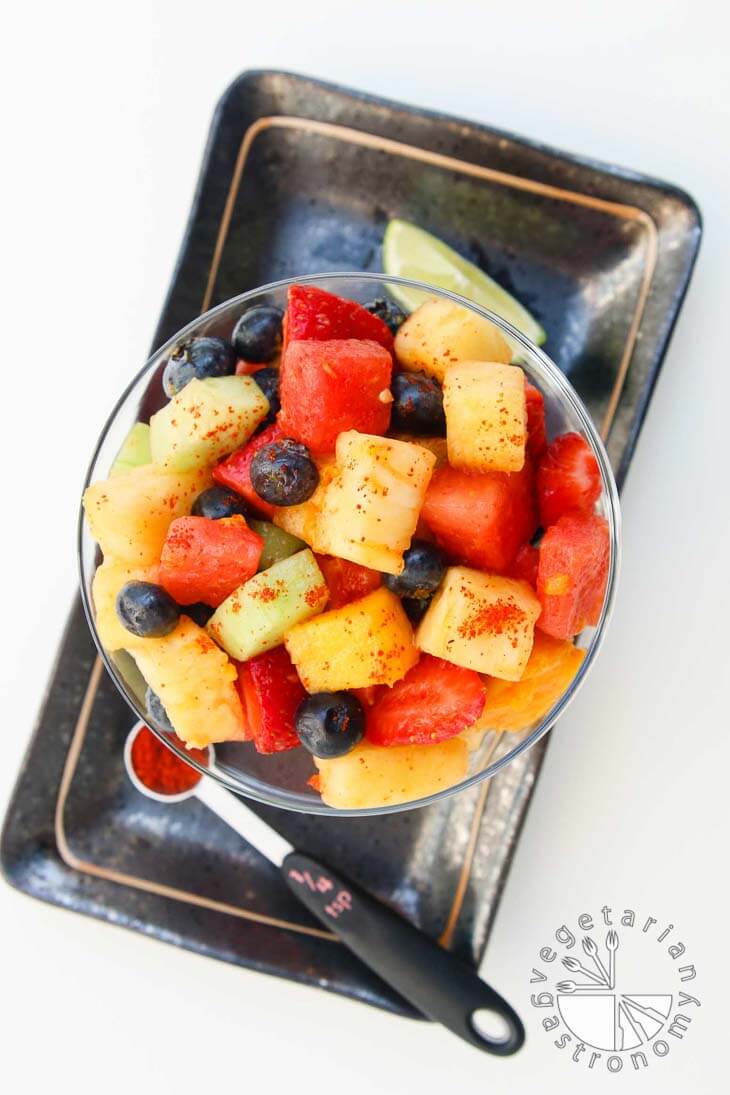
(280, 780)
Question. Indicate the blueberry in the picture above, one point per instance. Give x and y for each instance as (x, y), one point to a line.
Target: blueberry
(257, 335)
(199, 613)
(418, 404)
(283, 473)
(197, 358)
(389, 312)
(330, 724)
(156, 711)
(424, 568)
(416, 608)
(268, 381)
(217, 502)
(147, 610)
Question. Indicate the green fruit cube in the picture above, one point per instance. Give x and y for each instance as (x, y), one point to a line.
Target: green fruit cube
(206, 420)
(135, 450)
(257, 616)
(278, 544)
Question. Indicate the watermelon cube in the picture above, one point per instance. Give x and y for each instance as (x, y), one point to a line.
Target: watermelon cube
(331, 386)
(481, 519)
(204, 560)
(572, 574)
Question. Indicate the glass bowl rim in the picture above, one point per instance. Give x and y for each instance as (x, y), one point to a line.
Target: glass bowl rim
(567, 393)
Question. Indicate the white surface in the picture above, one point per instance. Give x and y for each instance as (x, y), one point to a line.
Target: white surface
(106, 112)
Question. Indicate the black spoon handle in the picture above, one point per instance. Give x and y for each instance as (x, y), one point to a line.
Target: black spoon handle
(430, 978)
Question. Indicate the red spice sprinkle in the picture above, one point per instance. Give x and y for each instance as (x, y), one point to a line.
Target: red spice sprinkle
(313, 596)
(161, 770)
(496, 618)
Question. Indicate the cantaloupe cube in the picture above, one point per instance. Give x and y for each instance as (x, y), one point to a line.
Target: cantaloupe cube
(440, 333)
(196, 683)
(108, 580)
(366, 642)
(482, 622)
(370, 509)
(129, 514)
(206, 420)
(549, 672)
(486, 416)
(372, 775)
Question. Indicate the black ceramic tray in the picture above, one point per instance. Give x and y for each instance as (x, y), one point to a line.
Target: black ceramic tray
(301, 177)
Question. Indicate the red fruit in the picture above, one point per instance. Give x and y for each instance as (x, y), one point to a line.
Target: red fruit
(248, 368)
(434, 701)
(314, 314)
(235, 470)
(536, 436)
(346, 581)
(568, 478)
(368, 695)
(270, 692)
(328, 387)
(481, 519)
(572, 574)
(525, 565)
(204, 560)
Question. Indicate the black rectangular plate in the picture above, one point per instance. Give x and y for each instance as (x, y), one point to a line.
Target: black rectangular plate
(301, 177)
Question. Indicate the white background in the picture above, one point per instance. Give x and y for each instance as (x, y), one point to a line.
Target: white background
(105, 111)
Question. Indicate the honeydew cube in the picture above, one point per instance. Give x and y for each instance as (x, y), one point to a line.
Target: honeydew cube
(370, 509)
(135, 450)
(481, 622)
(486, 416)
(440, 333)
(257, 615)
(374, 775)
(129, 514)
(206, 420)
(366, 642)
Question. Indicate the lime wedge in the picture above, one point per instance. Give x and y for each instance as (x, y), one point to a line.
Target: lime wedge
(410, 252)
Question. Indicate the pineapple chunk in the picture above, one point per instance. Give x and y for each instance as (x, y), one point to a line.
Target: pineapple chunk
(206, 420)
(482, 622)
(516, 706)
(370, 509)
(440, 333)
(196, 684)
(129, 515)
(372, 775)
(108, 580)
(256, 616)
(486, 416)
(366, 642)
(302, 521)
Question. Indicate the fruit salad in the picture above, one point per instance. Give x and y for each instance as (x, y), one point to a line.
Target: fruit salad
(348, 532)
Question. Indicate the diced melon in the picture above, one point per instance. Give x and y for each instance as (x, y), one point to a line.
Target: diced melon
(278, 544)
(549, 672)
(130, 514)
(370, 509)
(371, 775)
(135, 450)
(302, 521)
(196, 684)
(108, 580)
(258, 615)
(206, 420)
(365, 642)
(440, 333)
(482, 622)
(486, 416)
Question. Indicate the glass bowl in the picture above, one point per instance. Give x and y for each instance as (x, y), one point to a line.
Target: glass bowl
(281, 779)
